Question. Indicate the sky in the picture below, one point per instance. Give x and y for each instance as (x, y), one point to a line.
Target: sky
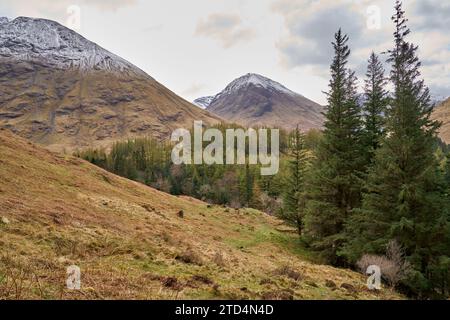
(196, 47)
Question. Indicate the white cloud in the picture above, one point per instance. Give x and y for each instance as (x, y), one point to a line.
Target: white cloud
(225, 27)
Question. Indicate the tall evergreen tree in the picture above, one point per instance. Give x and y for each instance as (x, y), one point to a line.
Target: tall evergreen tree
(247, 184)
(334, 188)
(375, 104)
(405, 198)
(294, 195)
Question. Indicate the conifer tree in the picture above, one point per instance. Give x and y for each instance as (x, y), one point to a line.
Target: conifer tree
(405, 197)
(375, 104)
(294, 195)
(247, 184)
(334, 189)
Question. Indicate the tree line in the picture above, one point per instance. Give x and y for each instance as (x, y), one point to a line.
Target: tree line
(148, 160)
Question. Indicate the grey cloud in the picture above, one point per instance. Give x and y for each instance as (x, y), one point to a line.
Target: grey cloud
(311, 26)
(224, 27)
(430, 61)
(435, 14)
(297, 53)
(327, 21)
(310, 37)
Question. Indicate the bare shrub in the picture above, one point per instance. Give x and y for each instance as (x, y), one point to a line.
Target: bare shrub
(16, 278)
(205, 191)
(170, 282)
(284, 294)
(162, 184)
(235, 204)
(190, 257)
(393, 266)
(269, 204)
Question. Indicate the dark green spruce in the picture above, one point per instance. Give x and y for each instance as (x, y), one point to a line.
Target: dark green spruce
(334, 187)
(294, 196)
(375, 103)
(406, 196)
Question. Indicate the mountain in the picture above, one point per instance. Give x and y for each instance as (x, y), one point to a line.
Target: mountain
(442, 113)
(203, 102)
(61, 90)
(253, 100)
(133, 242)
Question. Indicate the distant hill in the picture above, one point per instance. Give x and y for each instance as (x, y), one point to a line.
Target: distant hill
(253, 100)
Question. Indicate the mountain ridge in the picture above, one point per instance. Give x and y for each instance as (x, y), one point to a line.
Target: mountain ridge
(26, 38)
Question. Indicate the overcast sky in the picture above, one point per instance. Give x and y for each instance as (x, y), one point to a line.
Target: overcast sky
(197, 47)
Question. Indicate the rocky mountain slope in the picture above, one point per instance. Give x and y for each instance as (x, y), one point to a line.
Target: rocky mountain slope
(253, 100)
(133, 242)
(442, 113)
(64, 91)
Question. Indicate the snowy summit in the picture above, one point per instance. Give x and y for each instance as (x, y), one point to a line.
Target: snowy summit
(244, 82)
(44, 40)
(257, 81)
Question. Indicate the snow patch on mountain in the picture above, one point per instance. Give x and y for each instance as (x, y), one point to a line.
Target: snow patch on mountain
(257, 81)
(204, 102)
(250, 79)
(47, 41)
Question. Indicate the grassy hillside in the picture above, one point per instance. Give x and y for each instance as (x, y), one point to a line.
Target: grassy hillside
(442, 113)
(133, 242)
(67, 109)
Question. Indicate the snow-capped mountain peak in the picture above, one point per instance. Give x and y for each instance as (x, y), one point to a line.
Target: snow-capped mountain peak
(257, 81)
(254, 100)
(39, 39)
(244, 82)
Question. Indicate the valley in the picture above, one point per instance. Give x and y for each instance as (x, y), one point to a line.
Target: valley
(134, 242)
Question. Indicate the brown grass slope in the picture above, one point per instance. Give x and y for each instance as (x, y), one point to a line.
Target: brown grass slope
(132, 242)
(442, 113)
(69, 108)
